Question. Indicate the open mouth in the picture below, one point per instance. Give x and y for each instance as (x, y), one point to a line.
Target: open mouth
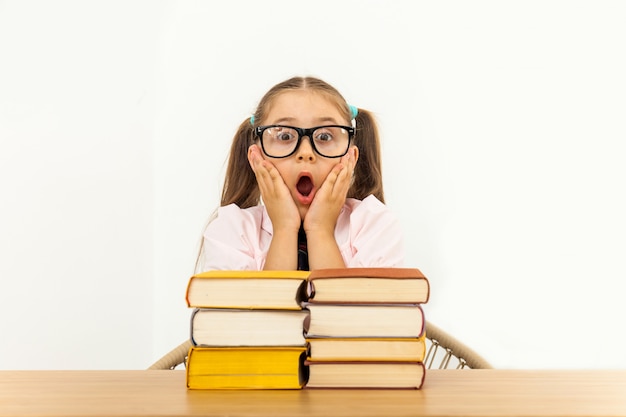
(305, 185)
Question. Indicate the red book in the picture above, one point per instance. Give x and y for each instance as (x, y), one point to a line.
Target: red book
(368, 286)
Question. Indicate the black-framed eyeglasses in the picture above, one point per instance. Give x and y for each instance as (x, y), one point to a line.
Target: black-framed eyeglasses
(280, 141)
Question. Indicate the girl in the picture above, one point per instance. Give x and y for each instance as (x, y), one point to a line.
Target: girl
(314, 163)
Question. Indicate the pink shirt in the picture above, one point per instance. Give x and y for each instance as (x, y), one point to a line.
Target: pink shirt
(367, 233)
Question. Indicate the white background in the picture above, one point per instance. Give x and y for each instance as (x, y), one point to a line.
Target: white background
(503, 136)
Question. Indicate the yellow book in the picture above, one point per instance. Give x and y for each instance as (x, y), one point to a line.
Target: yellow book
(367, 349)
(247, 289)
(266, 367)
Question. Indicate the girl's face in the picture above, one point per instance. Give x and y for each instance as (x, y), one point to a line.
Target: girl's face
(305, 170)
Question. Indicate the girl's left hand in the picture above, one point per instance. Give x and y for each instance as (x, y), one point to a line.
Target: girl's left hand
(330, 198)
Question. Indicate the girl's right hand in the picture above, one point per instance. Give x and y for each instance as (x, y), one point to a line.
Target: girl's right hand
(276, 196)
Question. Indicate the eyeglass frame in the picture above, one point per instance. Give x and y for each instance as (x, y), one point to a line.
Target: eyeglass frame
(308, 132)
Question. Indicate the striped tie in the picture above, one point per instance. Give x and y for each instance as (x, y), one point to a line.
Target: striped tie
(303, 256)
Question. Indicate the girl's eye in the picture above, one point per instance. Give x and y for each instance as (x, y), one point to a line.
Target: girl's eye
(284, 135)
(323, 136)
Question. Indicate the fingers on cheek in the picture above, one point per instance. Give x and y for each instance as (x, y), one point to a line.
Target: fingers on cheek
(346, 171)
(265, 166)
(335, 175)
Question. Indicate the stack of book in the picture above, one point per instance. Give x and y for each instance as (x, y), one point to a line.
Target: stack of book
(366, 328)
(247, 330)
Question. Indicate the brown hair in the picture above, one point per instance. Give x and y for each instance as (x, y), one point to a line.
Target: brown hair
(240, 186)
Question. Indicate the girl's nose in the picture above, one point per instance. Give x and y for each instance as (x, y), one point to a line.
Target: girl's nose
(305, 150)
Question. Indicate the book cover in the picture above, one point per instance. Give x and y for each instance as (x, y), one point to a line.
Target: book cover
(237, 327)
(368, 285)
(367, 349)
(270, 367)
(247, 289)
(364, 320)
(366, 374)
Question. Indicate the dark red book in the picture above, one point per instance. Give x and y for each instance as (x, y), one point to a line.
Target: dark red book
(368, 286)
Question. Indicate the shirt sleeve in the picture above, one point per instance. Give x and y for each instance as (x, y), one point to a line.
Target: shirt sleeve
(232, 240)
(376, 238)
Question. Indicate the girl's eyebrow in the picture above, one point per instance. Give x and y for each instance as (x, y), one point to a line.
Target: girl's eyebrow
(318, 121)
(283, 120)
(327, 119)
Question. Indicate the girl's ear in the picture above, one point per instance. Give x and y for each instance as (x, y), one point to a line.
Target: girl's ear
(354, 151)
(254, 154)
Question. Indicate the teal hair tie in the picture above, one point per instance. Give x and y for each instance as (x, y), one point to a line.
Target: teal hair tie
(353, 111)
(252, 120)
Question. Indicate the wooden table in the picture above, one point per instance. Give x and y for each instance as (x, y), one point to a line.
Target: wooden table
(445, 393)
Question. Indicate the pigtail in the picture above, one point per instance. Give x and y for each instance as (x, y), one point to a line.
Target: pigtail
(240, 185)
(368, 170)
